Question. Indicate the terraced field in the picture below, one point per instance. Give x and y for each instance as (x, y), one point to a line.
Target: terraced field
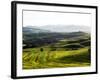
(63, 53)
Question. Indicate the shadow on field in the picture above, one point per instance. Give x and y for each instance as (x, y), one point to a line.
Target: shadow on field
(78, 58)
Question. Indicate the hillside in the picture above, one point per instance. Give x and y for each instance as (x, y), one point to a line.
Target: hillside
(33, 37)
(47, 49)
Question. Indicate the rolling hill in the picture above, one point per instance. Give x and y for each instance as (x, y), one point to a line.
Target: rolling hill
(33, 37)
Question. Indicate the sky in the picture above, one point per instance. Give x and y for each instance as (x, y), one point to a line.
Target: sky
(41, 19)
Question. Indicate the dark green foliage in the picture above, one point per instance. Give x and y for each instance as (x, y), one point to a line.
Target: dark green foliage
(73, 46)
(41, 49)
(53, 49)
(72, 41)
(86, 43)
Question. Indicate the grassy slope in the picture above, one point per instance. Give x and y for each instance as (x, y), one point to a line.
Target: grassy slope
(34, 58)
(59, 54)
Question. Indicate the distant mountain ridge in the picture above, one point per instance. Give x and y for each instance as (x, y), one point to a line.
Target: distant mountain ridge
(31, 29)
(56, 28)
(66, 28)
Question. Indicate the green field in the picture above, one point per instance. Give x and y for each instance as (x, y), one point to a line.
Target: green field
(63, 53)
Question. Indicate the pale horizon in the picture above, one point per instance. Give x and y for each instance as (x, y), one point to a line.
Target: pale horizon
(63, 28)
(44, 19)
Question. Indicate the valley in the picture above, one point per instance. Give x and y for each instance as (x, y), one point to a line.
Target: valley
(47, 49)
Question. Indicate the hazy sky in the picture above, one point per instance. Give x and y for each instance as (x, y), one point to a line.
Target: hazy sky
(51, 18)
(35, 18)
